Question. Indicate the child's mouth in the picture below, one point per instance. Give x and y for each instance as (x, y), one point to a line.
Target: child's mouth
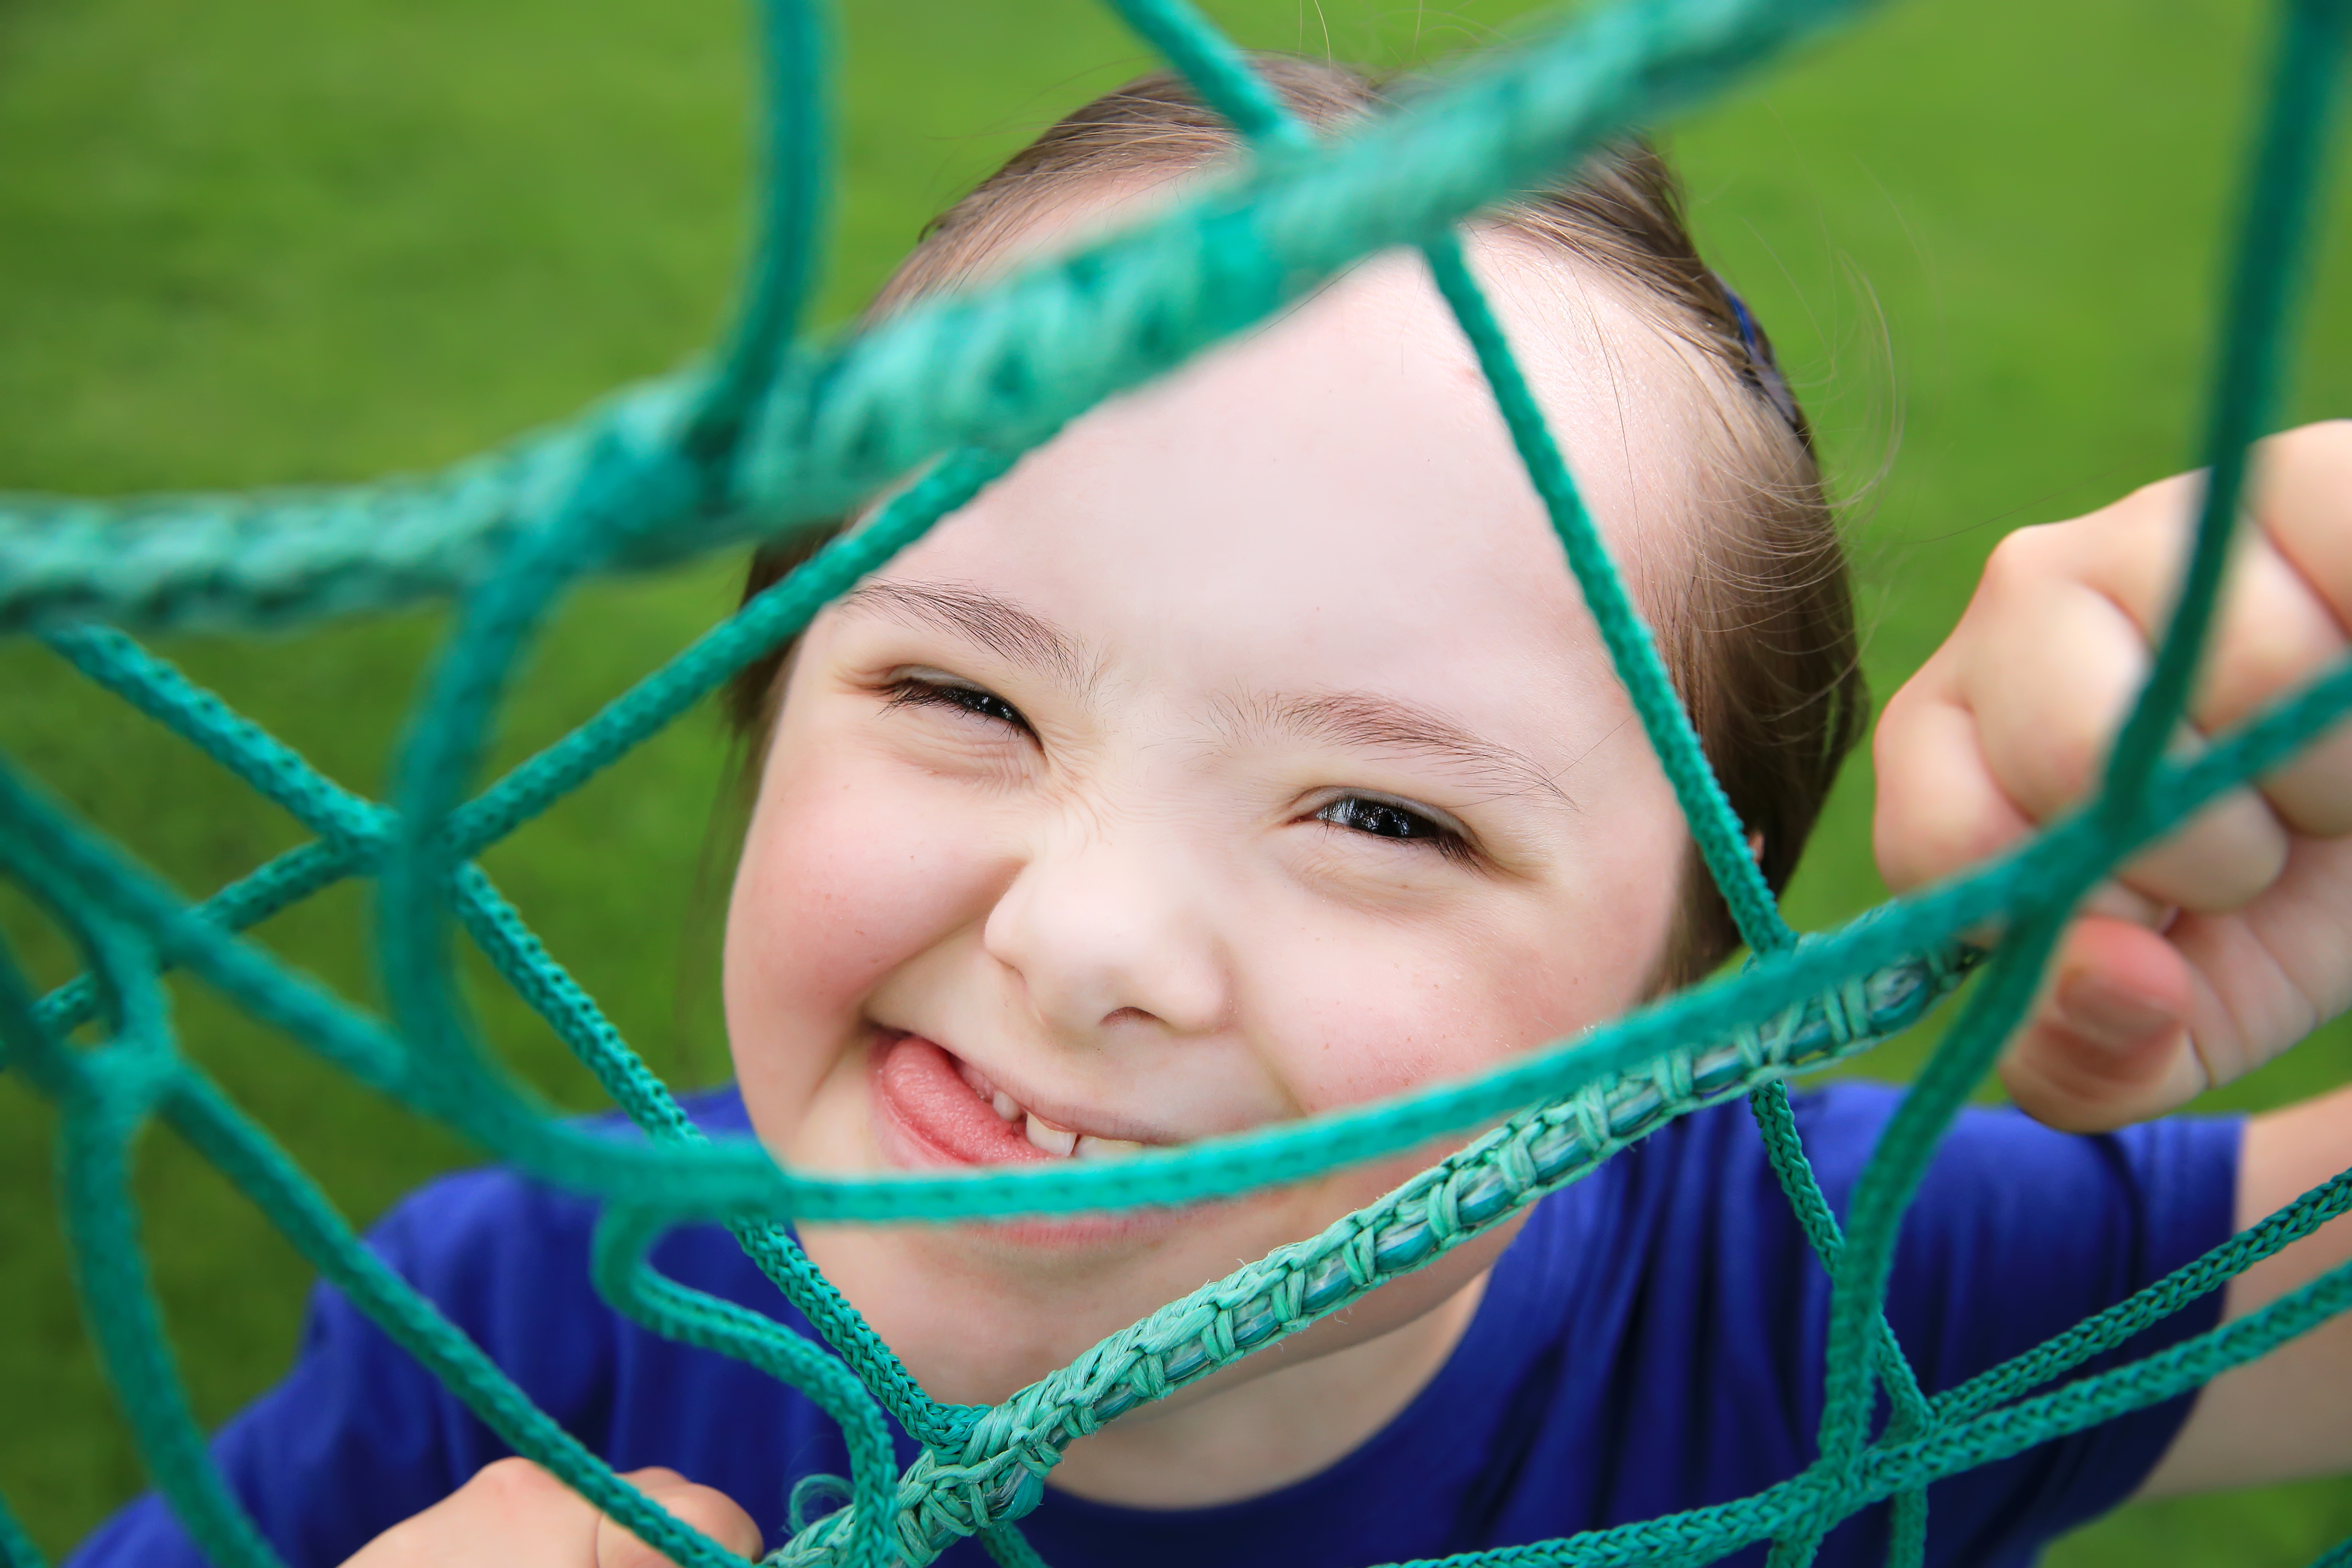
(951, 1110)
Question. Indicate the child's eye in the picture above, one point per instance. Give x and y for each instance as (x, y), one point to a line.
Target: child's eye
(920, 691)
(1392, 819)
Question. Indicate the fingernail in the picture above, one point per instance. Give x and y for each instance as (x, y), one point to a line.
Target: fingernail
(2111, 1014)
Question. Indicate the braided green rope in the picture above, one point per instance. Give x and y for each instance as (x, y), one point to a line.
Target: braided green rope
(733, 1178)
(999, 371)
(16, 1548)
(2310, 59)
(1538, 1152)
(796, 105)
(780, 433)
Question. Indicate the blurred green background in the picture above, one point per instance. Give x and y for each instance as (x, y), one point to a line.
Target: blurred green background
(261, 241)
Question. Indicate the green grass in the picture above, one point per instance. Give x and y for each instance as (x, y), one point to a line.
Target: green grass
(258, 241)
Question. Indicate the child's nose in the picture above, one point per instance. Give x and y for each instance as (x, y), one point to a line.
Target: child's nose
(1101, 931)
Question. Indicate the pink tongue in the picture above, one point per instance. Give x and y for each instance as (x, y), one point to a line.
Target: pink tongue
(919, 1084)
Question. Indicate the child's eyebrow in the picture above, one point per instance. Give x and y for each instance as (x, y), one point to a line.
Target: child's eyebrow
(1000, 626)
(1365, 719)
(1370, 718)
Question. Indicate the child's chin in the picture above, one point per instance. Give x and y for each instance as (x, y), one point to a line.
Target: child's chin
(1077, 1234)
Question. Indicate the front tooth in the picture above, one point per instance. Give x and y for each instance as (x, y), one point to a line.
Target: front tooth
(1093, 1148)
(1006, 1106)
(1051, 1139)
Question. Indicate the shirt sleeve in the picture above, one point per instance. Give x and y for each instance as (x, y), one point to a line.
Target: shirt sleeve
(358, 1437)
(2019, 1233)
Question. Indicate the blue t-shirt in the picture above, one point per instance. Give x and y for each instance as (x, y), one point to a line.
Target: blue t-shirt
(1652, 1340)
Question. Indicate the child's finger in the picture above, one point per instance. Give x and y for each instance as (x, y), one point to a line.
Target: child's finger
(2283, 608)
(2049, 666)
(1940, 810)
(710, 1510)
(2272, 972)
(2108, 1042)
(2275, 636)
(1939, 807)
(513, 1514)
(2303, 497)
(2303, 500)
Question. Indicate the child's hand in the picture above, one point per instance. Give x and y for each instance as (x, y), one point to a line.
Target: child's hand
(2228, 941)
(513, 1514)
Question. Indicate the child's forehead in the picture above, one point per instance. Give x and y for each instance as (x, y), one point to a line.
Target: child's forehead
(1628, 400)
(1335, 501)
(1354, 439)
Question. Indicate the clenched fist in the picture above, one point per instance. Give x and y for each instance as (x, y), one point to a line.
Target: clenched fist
(2228, 941)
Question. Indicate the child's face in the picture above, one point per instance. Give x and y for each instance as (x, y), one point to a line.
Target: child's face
(1247, 753)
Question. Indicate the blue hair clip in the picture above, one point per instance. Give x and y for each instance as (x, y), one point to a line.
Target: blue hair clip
(1762, 371)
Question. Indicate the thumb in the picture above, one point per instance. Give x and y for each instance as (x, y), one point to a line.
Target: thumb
(2107, 1043)
(705, 1508)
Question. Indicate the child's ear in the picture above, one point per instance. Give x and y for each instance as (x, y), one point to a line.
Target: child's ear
(1756, 845)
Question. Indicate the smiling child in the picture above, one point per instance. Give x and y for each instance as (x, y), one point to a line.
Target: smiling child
(1249, 752)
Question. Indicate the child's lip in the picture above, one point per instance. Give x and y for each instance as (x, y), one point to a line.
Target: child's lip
(926, 1115)
(1083, 1123)
(919, 1094)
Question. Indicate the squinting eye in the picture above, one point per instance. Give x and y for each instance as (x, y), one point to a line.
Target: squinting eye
(914, 692)
(1387, 819)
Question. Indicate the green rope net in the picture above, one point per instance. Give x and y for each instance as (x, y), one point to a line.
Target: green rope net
(779, 431)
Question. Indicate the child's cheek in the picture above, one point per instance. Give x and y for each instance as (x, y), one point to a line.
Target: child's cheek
(1375, 1030)
(1377, 1018)
(847, 873)
(1371, 1036)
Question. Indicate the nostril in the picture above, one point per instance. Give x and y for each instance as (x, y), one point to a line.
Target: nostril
(1130, 1015)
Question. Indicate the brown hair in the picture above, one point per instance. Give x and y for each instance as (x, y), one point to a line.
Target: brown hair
(1761, 648)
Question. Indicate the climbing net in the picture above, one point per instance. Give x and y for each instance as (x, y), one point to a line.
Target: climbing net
(781, 430)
